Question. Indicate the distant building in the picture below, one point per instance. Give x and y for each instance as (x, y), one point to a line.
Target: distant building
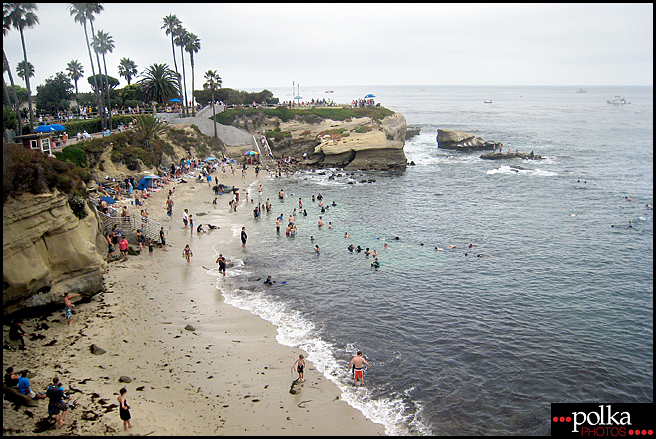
(41, 141)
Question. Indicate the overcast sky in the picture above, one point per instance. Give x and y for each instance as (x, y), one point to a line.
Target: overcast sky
(257, 46)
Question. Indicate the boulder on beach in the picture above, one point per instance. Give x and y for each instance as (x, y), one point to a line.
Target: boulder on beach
(125, 379)
(95, 350)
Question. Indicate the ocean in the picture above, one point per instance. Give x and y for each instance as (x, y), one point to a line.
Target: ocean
(552, 303)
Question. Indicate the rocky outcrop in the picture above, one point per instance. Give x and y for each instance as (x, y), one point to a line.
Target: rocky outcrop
(47, 251)
(361, 143)
(461, 141)
(512, 155)
(411, 132)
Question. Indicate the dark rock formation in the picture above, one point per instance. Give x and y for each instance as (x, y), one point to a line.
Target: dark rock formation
(95, 350)
(512, 155)
(461, 141)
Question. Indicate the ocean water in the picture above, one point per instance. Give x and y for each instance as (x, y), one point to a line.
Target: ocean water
(553, 303)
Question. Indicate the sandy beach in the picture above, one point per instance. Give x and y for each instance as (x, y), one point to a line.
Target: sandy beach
(226, 375)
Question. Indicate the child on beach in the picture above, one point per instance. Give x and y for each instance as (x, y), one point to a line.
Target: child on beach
(187, 254)
(300, 365)
(150, 246)
(68, 306)
(124, 410)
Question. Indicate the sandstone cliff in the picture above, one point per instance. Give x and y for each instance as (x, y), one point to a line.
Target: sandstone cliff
(47, 251)
(356, 143)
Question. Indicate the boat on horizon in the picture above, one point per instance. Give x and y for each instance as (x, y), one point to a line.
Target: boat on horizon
(580, 90)
(618, 101)
(487, 102)
(329, 91)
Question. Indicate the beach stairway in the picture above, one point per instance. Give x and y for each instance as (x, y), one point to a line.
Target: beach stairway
(129, 225)
(262, 146)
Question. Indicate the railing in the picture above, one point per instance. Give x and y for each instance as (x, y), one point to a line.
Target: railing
(149, 227)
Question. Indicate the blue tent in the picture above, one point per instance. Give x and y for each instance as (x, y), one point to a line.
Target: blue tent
(147, 182)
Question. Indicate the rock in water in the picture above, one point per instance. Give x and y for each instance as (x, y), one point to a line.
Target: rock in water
(459, 140)
(95, 350)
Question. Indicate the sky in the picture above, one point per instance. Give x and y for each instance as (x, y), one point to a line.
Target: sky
(256, 46)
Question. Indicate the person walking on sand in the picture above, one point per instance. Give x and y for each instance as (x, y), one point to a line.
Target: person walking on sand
(124, 410)
(68, 306)
(222, 264)
(187, 254)
(123, 246)
(185, 218)
(162, 239)
(358, 365)
(244, 237)
(56, 405)
(300, 366)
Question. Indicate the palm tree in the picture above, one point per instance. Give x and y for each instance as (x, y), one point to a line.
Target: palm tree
(95, 9)
(181, 40)
(193, 46)
(21, 70)
(103, 43)
(21, 16)
(6, 27)
(82, 13)
(127, 69)
(171, 23)
(213, 82)
(159, 83)
(148, 128)
(75, 72)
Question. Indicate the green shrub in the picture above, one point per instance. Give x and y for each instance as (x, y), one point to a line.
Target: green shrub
(74, 154)
(30, 171)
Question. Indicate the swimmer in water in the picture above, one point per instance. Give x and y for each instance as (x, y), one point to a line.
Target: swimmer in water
(440, 249)
(451, 246)
(346, 235)
(385, 246)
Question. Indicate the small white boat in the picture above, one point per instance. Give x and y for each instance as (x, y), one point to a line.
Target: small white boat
(580, 90)
(487, 102)
(329, 91)
(618, 101)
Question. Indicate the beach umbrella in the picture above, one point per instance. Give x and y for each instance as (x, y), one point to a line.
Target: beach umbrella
(175, 100)
(108, 200)
(251, 153)
(49, 128)
(369, 96)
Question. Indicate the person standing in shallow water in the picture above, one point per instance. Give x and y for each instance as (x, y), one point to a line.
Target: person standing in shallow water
(244, 237)
(358, 363)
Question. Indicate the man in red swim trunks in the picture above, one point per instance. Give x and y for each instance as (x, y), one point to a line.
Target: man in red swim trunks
(358, 364)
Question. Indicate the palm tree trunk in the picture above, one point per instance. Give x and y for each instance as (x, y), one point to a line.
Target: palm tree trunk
(27, 83)
(13, 89)
(216, 136)
(93, 72)
(77, 103)
(193, 107)
(108, 101)
(184, 80)
(176, 64)
(102, 94)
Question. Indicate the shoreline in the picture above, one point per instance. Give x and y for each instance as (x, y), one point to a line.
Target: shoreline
(230, 364)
